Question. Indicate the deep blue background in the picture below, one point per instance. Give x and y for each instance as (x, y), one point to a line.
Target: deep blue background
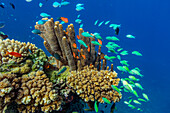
(148, 20)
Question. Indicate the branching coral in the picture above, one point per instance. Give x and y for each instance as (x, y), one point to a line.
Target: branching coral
(92, 85)
(36, 91)
(9, 85)
(14, 46)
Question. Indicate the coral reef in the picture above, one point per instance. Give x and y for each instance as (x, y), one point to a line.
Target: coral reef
(60, 44)
(92, 85)
(37, 92)
(9, 85)
(14, 46)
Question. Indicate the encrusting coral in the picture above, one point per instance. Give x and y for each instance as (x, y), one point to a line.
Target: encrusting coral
(15, 46)
(92, 85)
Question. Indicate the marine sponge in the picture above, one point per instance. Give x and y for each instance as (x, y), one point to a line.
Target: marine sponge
(9, 85)
(91, 84)
(15, 46)
(37, 92)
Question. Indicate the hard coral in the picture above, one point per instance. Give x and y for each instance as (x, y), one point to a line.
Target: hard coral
(37, 92)
(9, 85)
(91, 84)
(14, 46)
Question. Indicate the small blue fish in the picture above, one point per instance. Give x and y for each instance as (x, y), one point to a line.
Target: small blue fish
(36, 31)
(101, 23)
(2, 24)
(78, 21)
(82, 43)
(44, 15)
(41, 22)
(65, 3)
(56, 4)
(86, 34)
(79, 8)
(40, 4)
(62, 71)
(79, 5)
(95, 23)
(81, 25)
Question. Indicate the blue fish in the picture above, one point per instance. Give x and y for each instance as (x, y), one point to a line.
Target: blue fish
(36, 31)
(44, 15)
(41, 22)
(2, 24)
(62, 71)
(65, 3)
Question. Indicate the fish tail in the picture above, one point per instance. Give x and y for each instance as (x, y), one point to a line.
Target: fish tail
(7, 53)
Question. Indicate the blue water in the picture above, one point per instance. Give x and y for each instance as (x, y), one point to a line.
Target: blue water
(148, 20)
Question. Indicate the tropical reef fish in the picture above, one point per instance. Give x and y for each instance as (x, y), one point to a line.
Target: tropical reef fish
(28, 0)
(116, 30)
(121, 68)
(3, 35)
(106, 100)
(40, 4)
(86, 34)
(136, 53)
(81, 25)
(96, 107)
(135, 93)
(41, 22)
(131, 106)
(62, 71)
(135, 72)
(63, 19)
(106, 22)
(65, 3)
(2, 24)
(113, 38)
(133, 78)
(56, 4)
(78, 21)
(101, 23)
(139, 86)
(130, 36)
(124, 52)
(82, 43)
(44, 15)
(36, 31)
(96, 43)
(2, 5)
(98, 36)
(140, 99)
(145, 96)
(12, 5)
(13, 54)
(124, 62)
(136, 102)
(95, 23)
(79, 8)
(79, 5)
(115, 88)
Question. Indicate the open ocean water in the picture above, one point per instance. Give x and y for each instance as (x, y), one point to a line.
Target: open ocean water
(147, 20)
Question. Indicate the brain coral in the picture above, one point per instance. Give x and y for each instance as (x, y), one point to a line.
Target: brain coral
(91, 84)
(14, 46)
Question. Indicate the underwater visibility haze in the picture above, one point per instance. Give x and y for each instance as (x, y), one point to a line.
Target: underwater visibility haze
(84, 56)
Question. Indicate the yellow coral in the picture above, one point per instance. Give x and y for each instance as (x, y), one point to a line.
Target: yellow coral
(91, 84)
(36, 91)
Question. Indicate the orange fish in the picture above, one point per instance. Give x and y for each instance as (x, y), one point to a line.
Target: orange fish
(74, 55)
(78, 37)
(91, 64)
(83, 56)
(100, 42)
(14, 54)
(78, 50)
(64, 19)
(74, 45)
(67, 33)
(77, 57)
(88, 48)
